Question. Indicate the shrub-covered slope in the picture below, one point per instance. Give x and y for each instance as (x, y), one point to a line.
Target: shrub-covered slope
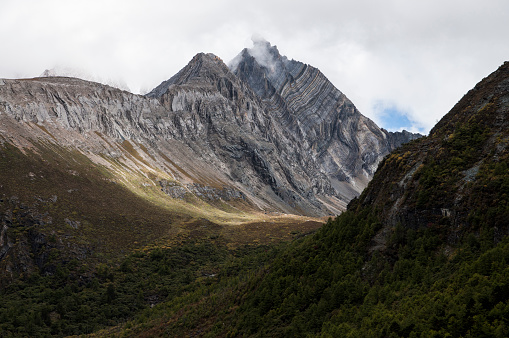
(457, 176)
(424, 249)
(422, 252)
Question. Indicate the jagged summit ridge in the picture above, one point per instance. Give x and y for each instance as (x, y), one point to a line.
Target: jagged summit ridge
(237, 124)
(325, 120)
(202, 66)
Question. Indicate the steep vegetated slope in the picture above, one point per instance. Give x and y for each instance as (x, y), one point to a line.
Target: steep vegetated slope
(422, 252)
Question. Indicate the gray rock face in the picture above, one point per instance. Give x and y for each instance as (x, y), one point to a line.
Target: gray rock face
(227, 119)
(205, 192)
(345, 145)
(273, 133)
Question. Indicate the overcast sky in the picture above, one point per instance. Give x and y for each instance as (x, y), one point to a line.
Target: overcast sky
(404, 64)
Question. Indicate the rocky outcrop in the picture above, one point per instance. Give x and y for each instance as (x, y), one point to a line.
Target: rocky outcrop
(24, 249)
(205, 192)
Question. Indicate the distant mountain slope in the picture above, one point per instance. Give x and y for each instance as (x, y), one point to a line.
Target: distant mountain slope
(188, 147)
(83, 75)
(303, 149)
(345, 145)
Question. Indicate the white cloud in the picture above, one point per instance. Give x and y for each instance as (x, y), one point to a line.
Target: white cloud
(419, 57)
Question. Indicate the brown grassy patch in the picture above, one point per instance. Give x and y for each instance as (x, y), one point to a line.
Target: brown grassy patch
(133, 152)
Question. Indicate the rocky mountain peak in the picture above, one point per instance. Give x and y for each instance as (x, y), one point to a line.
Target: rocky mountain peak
(266, 54)
(251, 72)
(264, 68)
(202, 70)
(325, 121)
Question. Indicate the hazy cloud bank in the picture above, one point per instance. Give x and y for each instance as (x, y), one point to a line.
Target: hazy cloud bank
(417, 58)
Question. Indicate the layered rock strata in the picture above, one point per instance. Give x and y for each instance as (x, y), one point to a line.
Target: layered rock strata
(280, 139)
(345, 145)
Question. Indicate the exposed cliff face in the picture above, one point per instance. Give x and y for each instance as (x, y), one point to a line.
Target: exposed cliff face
(345, 145)
(232, 123)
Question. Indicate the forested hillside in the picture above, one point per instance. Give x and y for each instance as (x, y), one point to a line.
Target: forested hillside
(422, 252)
